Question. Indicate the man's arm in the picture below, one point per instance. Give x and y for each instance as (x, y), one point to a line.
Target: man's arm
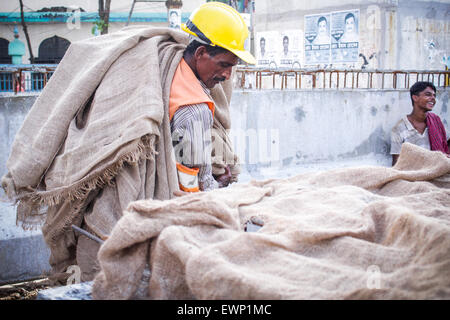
(396, 145)
(193, 123)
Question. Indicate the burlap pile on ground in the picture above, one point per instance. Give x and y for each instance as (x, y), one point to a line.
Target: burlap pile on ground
(353, 233)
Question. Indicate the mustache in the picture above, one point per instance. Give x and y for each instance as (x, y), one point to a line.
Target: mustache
(220, 79)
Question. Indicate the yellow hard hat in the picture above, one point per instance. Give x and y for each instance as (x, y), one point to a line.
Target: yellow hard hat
(219, 24)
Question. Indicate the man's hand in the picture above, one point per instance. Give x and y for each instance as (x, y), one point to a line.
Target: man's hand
(179, 193)
(225, 178)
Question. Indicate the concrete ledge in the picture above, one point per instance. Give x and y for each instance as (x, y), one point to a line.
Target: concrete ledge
(280, 171)
(79, 291)
(23, 254)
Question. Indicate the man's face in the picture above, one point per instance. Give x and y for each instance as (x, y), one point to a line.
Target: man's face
(214, 69)
(285, 44)
(173, 18)
(323, 27)
(425, 99)
(350, 25)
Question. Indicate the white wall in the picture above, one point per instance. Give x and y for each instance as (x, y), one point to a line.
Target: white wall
(397, 32)
(283, 128)
(423, 34)
(301, 128)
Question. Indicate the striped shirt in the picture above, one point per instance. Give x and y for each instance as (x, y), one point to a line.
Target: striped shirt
(191, 137)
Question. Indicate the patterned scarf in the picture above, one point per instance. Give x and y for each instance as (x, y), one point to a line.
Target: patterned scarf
(436, 133)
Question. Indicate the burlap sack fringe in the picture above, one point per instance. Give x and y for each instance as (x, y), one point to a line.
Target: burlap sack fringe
(79, 191)
(37, 201)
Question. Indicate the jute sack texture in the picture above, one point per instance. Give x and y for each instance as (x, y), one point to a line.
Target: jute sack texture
(350, 233)
(98, 137)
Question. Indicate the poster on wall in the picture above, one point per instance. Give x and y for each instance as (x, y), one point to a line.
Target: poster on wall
(317, 39)
(247, 20)
(345, 36)
(266, 48)
(242, 6)
(290, 51)
(174, 18)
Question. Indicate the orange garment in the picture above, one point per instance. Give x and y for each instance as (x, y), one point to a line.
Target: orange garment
(186, 90)
(187, 178)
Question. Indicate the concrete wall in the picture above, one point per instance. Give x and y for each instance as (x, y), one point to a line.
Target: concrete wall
(282, 128)
(275, 133)
(23, 253)
(423, 28)
(13, 110)
(398, 34)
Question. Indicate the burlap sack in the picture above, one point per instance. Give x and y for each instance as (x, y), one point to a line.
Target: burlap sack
(354, 233)
(99, 136)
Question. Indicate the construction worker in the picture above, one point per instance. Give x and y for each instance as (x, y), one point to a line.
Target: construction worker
(217, 35)
(126, 116)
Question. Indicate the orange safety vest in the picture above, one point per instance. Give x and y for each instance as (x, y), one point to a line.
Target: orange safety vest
(186, 90)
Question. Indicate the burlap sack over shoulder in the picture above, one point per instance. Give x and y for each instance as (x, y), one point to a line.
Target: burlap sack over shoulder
(352, 233)
(104, 109)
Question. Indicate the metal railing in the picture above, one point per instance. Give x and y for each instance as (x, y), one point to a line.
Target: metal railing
(29, 78)
(24, 78)
(256, 78)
